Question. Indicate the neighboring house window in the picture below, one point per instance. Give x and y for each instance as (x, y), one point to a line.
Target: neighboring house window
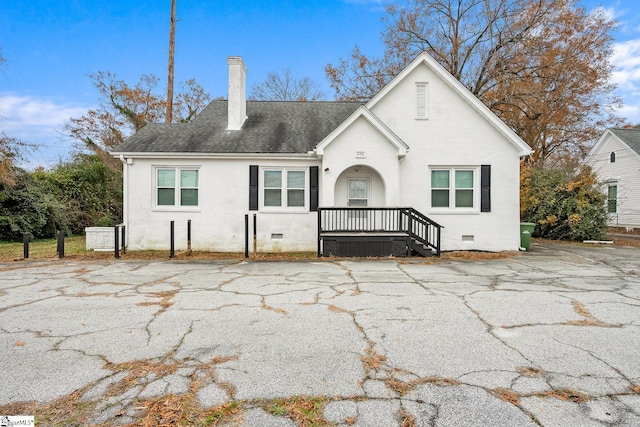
(612, 198)
(284, 188)
(452, 188)
(421, 100)
(612, 157)
(177, 187)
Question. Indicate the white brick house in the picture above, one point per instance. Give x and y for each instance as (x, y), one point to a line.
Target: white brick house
(423, 142)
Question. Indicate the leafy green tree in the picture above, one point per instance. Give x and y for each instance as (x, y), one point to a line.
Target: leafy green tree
(90, 190)
(29, 205)
(563, 205)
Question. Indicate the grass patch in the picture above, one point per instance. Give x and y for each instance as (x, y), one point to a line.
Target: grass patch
(42, 249)
(176, 410)
(64, 411)
(75, 248)
(478, 255)
(304, 411)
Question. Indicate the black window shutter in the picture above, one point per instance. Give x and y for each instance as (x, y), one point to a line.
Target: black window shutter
(313, 188)
(485, 188)
(253, 187)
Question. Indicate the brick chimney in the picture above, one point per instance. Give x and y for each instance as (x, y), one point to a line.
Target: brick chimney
(237, 93)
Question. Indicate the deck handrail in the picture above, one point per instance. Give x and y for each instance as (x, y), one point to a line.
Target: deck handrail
(415, 224)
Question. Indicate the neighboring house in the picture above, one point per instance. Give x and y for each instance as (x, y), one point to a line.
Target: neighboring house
(424, 142)
(615, 159)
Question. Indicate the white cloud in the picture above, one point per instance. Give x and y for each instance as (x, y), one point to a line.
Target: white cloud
(610, 12)
(38, 121)
(626, 74)
(25, 115)
(626, 60)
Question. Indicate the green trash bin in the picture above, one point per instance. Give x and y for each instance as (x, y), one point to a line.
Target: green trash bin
(526, 230)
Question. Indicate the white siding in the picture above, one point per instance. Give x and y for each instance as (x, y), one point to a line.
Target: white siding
(625, 171)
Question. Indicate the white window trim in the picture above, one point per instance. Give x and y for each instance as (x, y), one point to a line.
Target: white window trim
(284, 208)
(422, 102)
(608, 186)
(176, 207)
(452, 201)
(368, 180)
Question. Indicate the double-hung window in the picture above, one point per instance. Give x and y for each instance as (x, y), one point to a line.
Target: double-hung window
(176, 186)
(453, 188)
(612, 198)
(284, 188)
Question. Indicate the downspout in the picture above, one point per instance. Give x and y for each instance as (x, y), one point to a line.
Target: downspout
(125, 196)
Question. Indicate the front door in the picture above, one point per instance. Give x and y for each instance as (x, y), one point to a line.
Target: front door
(358, 197)
(358, 193)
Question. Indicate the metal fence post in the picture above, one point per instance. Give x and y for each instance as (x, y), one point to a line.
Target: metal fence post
(25, 241)
(246, 236)
(255, 234)
(189, 235)
(122, 239)
(116, 243)
(319, 229)
(172, 251)
(60, 244)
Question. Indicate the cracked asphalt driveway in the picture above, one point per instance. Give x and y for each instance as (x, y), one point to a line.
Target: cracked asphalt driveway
(548, 338)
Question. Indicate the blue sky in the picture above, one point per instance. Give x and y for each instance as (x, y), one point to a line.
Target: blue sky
(51, 46)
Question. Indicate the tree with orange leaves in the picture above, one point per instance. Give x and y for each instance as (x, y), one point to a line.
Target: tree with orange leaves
(541, 65)
(125, 109)
(10, 150)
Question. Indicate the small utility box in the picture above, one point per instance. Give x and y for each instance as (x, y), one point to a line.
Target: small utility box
(99, 238)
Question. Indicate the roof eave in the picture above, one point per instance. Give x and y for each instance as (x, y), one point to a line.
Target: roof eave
(310, 155)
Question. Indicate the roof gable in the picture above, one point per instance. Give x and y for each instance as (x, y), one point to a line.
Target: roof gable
(630, 137)
(484, 111)
(365, 113)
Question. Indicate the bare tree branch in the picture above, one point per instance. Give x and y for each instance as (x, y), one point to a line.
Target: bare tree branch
(284, 87)
(541, 65)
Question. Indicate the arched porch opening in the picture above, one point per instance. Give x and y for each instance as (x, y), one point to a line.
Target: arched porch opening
(359, 186)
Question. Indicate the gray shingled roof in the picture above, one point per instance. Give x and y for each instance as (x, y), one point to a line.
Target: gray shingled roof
(630, 136)
(271, 127)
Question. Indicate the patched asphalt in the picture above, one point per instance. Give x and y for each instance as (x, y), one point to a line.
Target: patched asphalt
(545, 338)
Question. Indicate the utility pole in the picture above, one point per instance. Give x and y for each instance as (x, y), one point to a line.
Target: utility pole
(172, 47)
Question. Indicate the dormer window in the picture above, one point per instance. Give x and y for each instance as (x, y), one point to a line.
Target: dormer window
(421, 101)
(612, 157)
